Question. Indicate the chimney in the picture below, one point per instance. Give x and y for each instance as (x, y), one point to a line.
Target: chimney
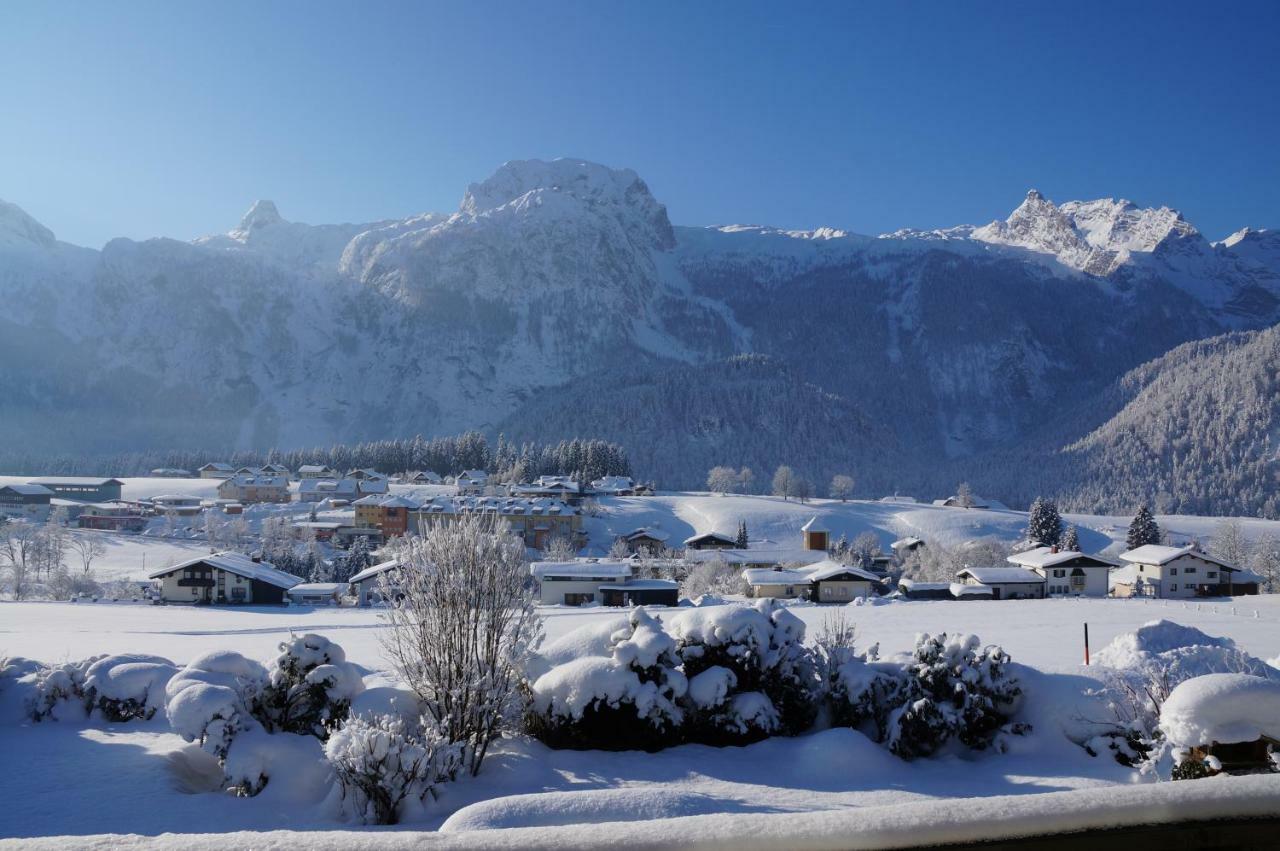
(1054, 548)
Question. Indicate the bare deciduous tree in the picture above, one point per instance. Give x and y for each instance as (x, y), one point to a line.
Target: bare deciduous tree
(722, 480)
(784, 482)
(88, 547)
(464, 628)
(841, 487)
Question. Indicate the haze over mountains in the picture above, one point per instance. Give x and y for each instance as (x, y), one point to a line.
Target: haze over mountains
(560, 300)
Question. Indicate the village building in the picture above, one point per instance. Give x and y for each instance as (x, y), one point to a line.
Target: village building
(317, 593)
(711, 541)
(362, 474)
(641, 592)
(471, 482)
(816, 535)
(903, 546)
(317, 471)
(1006, 583)
(180, 505)
(371, 584)
(216, 470)
(762, 556)
(25, 502)
(276, 470)
(318, 490)
(833, 582)
(320, 530)
(536, 521)
(777, 583)
(970, 591)
(253, 489)
(958, 502)
(550, 487)
(1067, 571)
(645, 540)
(421, 477)
(1175, 573)
(346, 535)
(112, 517)
(248, 471)
(578, 582)
(386, 513)
(614, 486)
(224, 578)
(82, 490)
(912, 589)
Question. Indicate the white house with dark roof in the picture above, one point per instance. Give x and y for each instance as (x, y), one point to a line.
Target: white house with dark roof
(216, 470)
(471, 482)
(317, 471)
(711, 541)
(1006, 583)
(1067, 571)
(224, 578)
(318, 490)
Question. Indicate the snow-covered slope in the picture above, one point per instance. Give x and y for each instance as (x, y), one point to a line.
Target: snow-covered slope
(282, 333)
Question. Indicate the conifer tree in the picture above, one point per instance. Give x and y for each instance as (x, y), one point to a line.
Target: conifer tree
(1044, 523)
(1143, 530)
(742, 540)
(1071, 540)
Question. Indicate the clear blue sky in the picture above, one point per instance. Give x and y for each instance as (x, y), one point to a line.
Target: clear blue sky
(140, 119)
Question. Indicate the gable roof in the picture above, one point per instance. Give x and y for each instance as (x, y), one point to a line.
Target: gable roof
(314, 468)
(74, 480)
(643, 532)
(829, 569)
(28, 490)
(1002, 575)
(1045, 557)
(710, 536)
(580, 567)
(1157, 554)
(814, 525)
(258, 481)
(373, 570)
(216, 465)
(240, 565)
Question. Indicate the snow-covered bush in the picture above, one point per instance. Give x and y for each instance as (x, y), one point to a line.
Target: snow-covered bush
(257, 756)
(310, 686)
(761, 652)
(49, 692)
(211, 700)
(127, 686)
(1141, 669)
(384, 763)
(950, 689)
(625, 701)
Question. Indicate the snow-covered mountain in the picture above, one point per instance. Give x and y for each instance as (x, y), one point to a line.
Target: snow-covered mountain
(555, 275)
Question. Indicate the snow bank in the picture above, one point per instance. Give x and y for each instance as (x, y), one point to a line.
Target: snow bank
(1131, 648)
(567, 690)
(292, 766)
(1224, 708)
(905, 825)
(592, 806)
(594, 639)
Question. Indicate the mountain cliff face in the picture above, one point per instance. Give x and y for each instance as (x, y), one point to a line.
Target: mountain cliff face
(555, 276)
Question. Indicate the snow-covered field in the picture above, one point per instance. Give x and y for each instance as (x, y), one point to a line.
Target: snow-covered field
(124, 783)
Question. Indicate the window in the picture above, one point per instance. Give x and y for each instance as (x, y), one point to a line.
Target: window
(1213, 574)
(1173, 571)
(1189, 570)
(1058, 574)
(1173, 587)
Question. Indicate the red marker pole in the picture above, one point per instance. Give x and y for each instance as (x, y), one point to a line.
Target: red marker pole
(1086, 644)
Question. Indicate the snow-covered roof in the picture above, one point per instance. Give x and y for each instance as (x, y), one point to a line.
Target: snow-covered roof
(314, 468)
(497, 505)
(829, 568)
(28, 490)
(959, 589)
(710, 536)
(1002, 575)
(218, 465)
(1158, 554)
(907, 542)
(387, 501)
(1225, 708)
(581, 568)
(757, 576)
(373, 570)
(239, 564)
(313, 588)
(337, 487)
(643, 532)
(1047, 557)
(613, 483)
(814, 525)
(74, 480)
(915, 585)
(257, 481)
(644, 585)
(910, 500)
(757, 555)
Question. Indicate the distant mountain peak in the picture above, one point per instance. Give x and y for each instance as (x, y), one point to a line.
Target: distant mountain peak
(18, 228)
(261, 214)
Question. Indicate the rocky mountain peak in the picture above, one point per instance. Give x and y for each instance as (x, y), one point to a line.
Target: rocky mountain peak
(260, 215)
(18, 229)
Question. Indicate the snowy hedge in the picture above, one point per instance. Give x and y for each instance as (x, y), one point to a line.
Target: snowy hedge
(722, 675)
(118, 688)
(951, 691)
